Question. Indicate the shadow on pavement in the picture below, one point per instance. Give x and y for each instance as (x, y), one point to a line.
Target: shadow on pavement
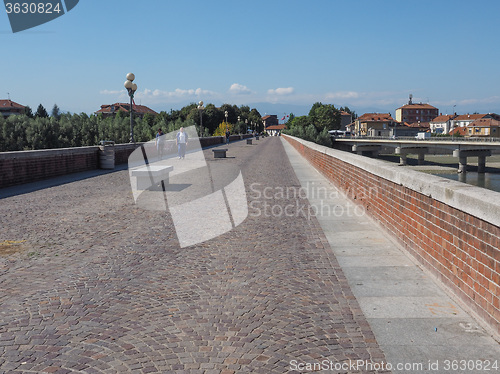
(56, 181)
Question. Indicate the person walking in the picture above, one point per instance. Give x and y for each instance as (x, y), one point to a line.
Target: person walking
(181, 141)
(160, 143)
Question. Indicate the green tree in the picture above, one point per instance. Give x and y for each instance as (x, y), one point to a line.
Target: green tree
(212, 117)
(28, 112)
(14, 133)
(256, 118)
(325, 116)
(41, 112)
(56, 112)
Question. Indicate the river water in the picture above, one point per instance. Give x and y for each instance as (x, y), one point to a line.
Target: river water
(490, 181)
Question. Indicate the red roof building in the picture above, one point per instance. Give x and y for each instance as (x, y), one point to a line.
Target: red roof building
(274, 130)
(372, 121)
(270, 120)
(484, 127)
(442, 124)
(412, 112)
(464, 120)
(10, 108)
(111, 110)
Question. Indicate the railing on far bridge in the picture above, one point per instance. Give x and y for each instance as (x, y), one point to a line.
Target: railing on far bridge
(413, 138)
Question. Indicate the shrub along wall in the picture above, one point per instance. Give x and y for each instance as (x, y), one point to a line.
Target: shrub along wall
(451, 228)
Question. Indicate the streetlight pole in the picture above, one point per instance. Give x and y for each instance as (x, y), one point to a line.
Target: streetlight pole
(200, 109)
(227, 138)
(131, 88)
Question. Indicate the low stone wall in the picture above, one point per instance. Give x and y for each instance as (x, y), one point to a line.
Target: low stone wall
(28, 166)
(452, 229)
(31, 166)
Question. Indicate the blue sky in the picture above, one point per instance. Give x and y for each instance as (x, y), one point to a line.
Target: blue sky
(276, 55)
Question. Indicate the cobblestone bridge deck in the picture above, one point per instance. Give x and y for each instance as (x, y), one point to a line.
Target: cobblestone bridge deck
(91, 283)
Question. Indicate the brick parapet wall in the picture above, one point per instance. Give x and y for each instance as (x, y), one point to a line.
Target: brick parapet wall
(451, 228)
(30, 166)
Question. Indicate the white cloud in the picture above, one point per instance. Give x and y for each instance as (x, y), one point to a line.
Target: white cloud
(281, 91)
(239, 89)
(342, 95)
(110, 92)
(178, 93)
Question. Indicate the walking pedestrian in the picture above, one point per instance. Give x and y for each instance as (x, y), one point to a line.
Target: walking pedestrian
(160, 143)
(181, 141)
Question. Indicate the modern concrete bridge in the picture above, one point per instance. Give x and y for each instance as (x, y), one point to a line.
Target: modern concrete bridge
(476, 147)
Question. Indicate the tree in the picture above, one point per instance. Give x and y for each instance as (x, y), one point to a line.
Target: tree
(256, 118)
(28, 112)
(221, 129)
(56, 113)
(41, 112)
(212, 117)
(325, 116)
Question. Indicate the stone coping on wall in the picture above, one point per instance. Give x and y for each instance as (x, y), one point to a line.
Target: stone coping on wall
(40, 153)
(476, 201)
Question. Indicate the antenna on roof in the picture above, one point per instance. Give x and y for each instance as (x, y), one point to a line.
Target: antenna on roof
(8, 95)
(411, 97)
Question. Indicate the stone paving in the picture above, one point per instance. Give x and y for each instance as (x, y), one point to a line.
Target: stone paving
(91, 283)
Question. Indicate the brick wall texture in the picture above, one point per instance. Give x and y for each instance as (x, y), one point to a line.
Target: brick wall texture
(30, 166)
(461, 250)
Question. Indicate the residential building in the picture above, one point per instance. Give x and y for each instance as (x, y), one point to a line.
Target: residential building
(374, 121)
(420, 126)
(275, 130)
(443, 124)
(112, 109)
(345, 119)
(413, 112)
(484, 127)
(466, 119)
(459, 131)
(10, 108)
(270, 120)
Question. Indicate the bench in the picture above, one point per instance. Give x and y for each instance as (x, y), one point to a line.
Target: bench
(220, 152)
(249, 141)
(143, 176)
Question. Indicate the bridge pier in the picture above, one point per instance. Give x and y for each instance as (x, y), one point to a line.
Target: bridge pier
(372, 150)
(405, 151)
(462, 155)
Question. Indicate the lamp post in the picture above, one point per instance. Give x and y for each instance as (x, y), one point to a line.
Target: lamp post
(227, 138)
(200, 109)
(246, 126)
(239, 126)
(131, 88)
